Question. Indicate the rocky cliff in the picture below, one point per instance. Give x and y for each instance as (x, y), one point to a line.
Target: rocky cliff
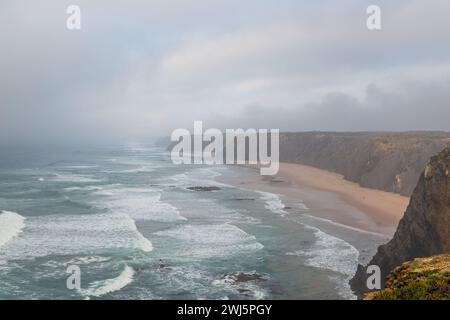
(380, 160)
(386, 161)
(424, 229)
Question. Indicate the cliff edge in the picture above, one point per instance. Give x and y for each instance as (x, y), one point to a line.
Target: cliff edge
(424, 229)
(420, 279)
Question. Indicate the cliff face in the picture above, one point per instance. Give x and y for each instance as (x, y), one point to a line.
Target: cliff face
(425, 228)
(386, 161)
(420, 279)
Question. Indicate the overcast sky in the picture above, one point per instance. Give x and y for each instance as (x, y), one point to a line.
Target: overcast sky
(138, 69)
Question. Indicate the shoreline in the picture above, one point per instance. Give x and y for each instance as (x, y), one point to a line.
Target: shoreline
(328, 196)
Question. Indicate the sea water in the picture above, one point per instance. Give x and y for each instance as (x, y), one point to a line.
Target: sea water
(125, 216)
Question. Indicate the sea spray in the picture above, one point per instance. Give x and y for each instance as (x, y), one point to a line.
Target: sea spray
(102, 287)
(11, 224)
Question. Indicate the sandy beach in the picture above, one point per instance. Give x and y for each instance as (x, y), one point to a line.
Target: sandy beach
(329, 196)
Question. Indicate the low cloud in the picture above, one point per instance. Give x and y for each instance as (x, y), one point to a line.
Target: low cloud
(139, 69)
(405, 107)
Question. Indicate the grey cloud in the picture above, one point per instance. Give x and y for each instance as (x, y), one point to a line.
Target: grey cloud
(411, 106)
(142, 68)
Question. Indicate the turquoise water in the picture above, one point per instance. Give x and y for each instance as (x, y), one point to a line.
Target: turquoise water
(125, 216)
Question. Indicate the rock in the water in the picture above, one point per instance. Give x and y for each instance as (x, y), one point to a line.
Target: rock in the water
(197, 188)
(238, 277)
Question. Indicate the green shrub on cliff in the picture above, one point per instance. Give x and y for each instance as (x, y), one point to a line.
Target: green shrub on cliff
(420, 279)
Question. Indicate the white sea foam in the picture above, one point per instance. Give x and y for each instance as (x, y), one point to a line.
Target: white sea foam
(11, 224)
(192, 278)
(107, 193)
(205, 241)
(80, 260)
(214, 211)
(198, 177)
(332, 253)
(137, 162)
(140, 204)
(79, 167)
(87, 188)
(137, 147)
(301, 206)
(149, 208)
(273, 202)
(76, 234)
(140, 169)
(102, 287)
(235, 216)
(77, 178)
(87, 260)
(347, 227)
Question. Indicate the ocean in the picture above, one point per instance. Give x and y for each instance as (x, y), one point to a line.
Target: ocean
(139, 227)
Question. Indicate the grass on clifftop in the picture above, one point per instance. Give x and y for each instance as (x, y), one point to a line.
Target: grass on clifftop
(420, 279)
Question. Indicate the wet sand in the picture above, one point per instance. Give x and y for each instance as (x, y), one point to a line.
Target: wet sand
(328, 195)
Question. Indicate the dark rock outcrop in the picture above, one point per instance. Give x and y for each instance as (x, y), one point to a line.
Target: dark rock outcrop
(237, 277)
(203, 189)
(425, 228)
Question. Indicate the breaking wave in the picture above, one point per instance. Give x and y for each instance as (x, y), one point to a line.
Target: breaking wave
(11, 224)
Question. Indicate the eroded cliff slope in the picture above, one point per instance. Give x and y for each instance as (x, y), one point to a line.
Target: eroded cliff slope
(386, 161)
(424, 229)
